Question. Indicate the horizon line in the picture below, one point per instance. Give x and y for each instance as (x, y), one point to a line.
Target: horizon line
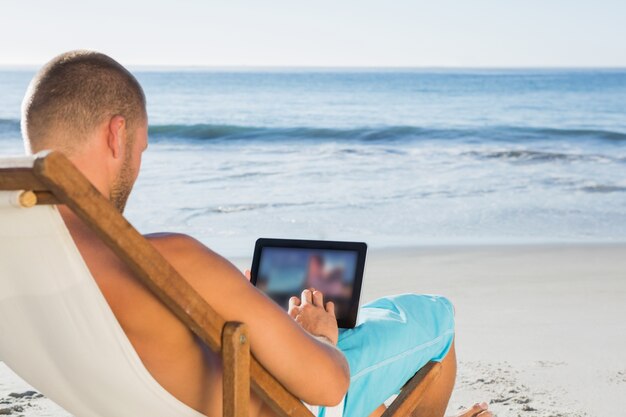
(244, 67)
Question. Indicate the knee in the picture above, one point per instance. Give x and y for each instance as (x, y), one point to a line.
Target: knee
(436, 309)
(437, 302)
(432, 313)
(448, 311)
(448, 304)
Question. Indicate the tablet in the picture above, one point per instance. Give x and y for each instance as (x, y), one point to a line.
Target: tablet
(282, 268)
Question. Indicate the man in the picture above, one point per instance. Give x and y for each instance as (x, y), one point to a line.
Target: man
(329, 282)
(92, 109)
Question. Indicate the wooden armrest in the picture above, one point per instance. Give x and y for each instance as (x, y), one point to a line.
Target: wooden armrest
(236, 365)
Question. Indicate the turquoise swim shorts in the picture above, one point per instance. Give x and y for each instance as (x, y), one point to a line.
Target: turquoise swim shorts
(394, 337)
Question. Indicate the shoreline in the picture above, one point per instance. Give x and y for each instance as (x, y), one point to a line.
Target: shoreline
(540, 328)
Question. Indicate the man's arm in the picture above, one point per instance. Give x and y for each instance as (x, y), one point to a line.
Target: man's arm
(312, 369)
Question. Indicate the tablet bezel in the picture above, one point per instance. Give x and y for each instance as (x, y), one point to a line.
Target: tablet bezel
(359, 247)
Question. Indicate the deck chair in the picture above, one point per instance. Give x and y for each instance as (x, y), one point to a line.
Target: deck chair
(58, 333)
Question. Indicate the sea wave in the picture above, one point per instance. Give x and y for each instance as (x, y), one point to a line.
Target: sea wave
(376, 134)
(9, 126)
(190, 213)
(217, 132)
(603, 188)
(525, 155)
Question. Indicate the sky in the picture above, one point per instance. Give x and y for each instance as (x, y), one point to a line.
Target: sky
(326, 33)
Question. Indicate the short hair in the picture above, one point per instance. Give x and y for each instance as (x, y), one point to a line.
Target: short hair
(73, 94)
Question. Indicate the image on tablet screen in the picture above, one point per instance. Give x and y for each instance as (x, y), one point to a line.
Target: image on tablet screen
(285, 272)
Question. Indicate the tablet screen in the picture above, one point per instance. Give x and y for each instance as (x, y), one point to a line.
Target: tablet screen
(283, 272)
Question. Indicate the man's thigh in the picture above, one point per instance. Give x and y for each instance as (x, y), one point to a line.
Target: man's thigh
(394, 337)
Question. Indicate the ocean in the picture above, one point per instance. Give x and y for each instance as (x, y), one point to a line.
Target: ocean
(389, 157)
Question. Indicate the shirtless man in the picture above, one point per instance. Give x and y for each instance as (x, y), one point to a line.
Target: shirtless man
(92, 109)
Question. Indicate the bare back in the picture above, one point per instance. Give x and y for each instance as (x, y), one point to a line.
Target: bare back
(168, 349)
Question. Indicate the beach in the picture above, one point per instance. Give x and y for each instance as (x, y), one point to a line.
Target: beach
(540, 328)
(502, 189)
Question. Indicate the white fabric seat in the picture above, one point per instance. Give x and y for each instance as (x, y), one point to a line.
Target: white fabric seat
(57, 331)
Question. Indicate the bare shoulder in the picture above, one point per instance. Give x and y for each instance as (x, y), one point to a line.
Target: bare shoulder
(174, 243)
(191, 258)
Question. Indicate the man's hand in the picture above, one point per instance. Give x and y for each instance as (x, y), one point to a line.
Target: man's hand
(310, 313)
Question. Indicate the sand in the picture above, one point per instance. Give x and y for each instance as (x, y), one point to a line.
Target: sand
(541, 330)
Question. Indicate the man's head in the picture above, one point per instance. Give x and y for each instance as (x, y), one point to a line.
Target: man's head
(88, 106)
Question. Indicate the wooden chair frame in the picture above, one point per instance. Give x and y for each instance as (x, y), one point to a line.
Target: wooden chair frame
(53, 179)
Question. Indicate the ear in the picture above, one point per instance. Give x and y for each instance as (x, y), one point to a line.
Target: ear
(116, 135)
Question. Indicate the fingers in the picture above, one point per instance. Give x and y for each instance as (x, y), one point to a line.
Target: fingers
(247, 273)
(294, 302)
(330, 307)
(318, 298)
(307, 297)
